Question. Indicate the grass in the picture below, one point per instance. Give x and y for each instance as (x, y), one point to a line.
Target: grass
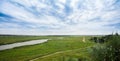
(12, 39)
(56, 44)
(69, 55)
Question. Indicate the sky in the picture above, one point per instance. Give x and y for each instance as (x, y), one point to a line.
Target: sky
(59, 17)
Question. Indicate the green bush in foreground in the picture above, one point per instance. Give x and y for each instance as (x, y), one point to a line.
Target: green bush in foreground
(97, 53)
(109, 51)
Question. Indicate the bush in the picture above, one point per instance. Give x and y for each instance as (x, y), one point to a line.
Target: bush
(97, 53)
(110, 51)
(114, 48)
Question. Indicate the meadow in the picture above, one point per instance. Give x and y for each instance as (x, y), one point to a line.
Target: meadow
(58, 48)
(13, 38)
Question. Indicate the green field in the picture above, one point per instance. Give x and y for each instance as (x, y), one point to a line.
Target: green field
(13, 39)
(58, 48)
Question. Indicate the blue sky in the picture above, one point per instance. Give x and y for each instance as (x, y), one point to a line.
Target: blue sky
(59, 17)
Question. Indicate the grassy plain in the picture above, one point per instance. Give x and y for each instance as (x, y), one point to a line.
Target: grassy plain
(12, 39)
(68, 46)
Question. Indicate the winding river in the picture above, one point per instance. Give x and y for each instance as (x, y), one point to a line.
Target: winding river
(19, 44)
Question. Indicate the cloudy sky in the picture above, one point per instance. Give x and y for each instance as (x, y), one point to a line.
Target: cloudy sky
(59, 17)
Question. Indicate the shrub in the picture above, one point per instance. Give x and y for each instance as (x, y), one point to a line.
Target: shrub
(110, 51)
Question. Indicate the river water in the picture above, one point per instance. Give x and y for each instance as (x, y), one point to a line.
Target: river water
(32, 42)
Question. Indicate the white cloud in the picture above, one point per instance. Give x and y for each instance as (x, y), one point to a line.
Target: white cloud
(26, 16)
(86, 17)
(7, 25)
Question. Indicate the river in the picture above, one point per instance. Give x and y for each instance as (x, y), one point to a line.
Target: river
(19, 44)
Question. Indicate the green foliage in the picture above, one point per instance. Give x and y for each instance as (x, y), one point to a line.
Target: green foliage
(98, 53)
(113, 48)
(109, 51)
